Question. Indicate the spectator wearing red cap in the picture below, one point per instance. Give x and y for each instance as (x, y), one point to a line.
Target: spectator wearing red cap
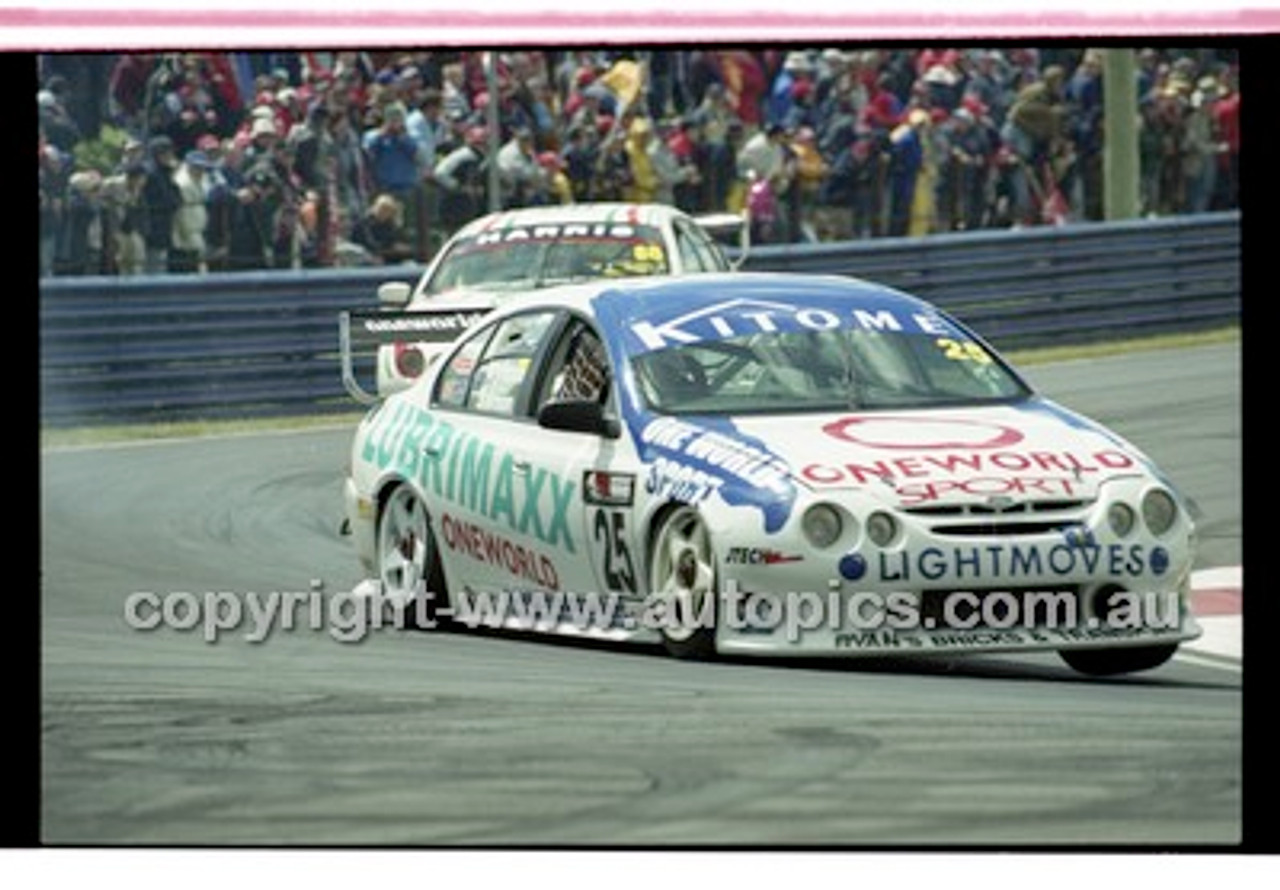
(686, 147)
(671, 172)
(988, 86)
(802, 113)
(560, 190)
(883, 110)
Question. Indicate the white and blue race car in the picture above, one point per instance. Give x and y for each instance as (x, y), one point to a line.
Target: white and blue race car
(764, 464)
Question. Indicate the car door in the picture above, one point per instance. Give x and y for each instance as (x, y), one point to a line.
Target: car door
(495, 508)
(602, 466)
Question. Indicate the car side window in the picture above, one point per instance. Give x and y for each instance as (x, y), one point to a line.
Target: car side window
(455, 378)
(578, 369)
(690, 258)
(697, 251)
(504, 364)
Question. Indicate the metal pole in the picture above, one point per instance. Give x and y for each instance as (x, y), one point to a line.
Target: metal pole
(1121, 169)
(495, 132)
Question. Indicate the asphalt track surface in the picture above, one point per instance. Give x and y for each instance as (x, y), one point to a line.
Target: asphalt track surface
(489, 740)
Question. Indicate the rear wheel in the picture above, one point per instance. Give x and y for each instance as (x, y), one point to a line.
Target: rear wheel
(1105, 662)
(682, 577)
(408, 560)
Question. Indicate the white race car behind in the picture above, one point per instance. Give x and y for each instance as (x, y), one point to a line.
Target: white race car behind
(764, 464)
(503, 254)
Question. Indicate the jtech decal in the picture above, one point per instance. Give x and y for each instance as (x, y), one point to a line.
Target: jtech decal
(755, 556)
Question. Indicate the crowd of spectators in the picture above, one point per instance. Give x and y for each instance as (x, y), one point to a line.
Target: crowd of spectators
(204, 161)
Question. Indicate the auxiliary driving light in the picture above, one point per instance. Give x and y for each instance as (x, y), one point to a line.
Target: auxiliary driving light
(1121, 518)
(1159, 511)
(822, 525)
(881, 528)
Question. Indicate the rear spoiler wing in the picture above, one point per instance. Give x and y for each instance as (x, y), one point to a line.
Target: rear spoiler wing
(725, 225)
(363, 329)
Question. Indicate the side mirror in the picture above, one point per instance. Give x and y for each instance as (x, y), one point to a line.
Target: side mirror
(394, 293)
(578, 416)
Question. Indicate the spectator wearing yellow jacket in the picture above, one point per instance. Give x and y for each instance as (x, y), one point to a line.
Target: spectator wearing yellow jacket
(643, 187)
(810, 172)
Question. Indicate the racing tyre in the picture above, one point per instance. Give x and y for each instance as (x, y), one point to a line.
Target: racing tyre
(412, 581)
(1105, 662)
(682, 577)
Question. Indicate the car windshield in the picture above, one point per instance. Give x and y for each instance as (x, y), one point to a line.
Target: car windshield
(543, 255)
(823, 371)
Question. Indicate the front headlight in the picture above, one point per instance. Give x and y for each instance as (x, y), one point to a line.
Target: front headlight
(822, 525)
(1159, 511)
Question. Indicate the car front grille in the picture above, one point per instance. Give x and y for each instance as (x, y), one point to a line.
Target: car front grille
(987, 520)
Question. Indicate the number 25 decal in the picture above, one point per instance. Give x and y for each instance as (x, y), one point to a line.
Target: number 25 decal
(963, 351)
(609, 530)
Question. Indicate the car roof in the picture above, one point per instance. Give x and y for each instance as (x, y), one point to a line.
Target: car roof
(585, 213)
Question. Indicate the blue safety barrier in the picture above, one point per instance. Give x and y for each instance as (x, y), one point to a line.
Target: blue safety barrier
(260, 343)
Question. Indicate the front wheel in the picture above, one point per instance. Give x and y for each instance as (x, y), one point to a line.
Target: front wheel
(1106, 662)
(682, 578)
(412, 581)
